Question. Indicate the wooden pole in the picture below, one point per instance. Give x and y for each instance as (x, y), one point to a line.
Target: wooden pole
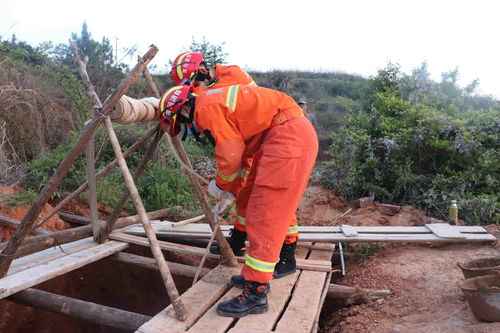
(191, 220)
(150, 263)
(177, 304)
(355, 294)
(7, 254)
(108, 227)
(149, 80)
(136, 145)
(42, 242)
(90, 166)
(11, 223)
(226, 252)
(99, 314)
(207, 251)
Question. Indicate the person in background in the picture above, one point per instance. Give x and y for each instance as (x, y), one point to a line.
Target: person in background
(312, 118)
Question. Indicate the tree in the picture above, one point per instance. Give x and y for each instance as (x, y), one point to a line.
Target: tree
(103, 72)
(212, 53)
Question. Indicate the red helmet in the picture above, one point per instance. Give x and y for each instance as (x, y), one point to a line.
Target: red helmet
(185, 66)
(170, 104)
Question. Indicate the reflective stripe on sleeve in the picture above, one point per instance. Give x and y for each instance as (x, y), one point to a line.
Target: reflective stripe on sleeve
(252, 83)
(241, 220)
(259, 265)
(232, 96)
(293, 230)
(228, 178)
(244, 173)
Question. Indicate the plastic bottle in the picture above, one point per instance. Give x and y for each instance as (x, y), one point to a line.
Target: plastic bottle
(453, 213)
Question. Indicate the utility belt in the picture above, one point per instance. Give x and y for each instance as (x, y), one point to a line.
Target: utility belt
(286, 115)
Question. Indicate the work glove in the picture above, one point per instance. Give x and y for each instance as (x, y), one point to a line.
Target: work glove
(224, 202)
(214, 190)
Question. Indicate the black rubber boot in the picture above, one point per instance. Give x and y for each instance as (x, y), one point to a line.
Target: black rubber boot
(238, 281)
(286, 265)
(236, 242)
(252, 300)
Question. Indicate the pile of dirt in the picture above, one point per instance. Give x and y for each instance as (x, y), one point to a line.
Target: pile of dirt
(54, 223)
(320, 206)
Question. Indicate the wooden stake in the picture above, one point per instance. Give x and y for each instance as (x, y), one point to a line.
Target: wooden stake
(90, 165)
(226, 251)
(207, 250)
(11, 223)
(191, 220)
(180, 311)
(99, 314)
(136, 145)
(108, 227)
(7, 254)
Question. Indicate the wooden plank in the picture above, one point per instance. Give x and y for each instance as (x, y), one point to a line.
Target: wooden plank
(444, 230)
(28, 278)
(315, 265)
(150, 263)
(362, 237)
(301, 313)
(348, 231)
(201, 228)
(407, 238)
(211, 321)
(197, 300)
(48, 255)
(277, 299)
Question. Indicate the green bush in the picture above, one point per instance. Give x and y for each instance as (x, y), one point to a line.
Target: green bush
(411, 145)
(162, 185)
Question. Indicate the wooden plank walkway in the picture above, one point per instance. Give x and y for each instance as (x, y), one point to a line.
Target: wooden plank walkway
(437, 232)
(26, 274)
(303, 291)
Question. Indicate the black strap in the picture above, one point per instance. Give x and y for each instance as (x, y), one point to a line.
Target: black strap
(209, 136)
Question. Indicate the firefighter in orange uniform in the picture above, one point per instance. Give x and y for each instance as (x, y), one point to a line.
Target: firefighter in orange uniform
(271, 127)
(191, 67)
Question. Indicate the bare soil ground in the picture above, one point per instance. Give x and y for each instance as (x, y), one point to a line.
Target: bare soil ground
(423, 277)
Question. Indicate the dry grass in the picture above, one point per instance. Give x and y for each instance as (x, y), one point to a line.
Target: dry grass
(35, 118)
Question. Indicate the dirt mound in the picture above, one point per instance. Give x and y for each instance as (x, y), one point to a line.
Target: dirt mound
(18, 212)
(320, 206)
(7, 191)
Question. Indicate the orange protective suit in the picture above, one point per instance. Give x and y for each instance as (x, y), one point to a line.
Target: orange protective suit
(228, 76)
(268, 125)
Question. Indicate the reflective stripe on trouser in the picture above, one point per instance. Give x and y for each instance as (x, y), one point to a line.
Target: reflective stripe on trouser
(241, 210)
(283, 165)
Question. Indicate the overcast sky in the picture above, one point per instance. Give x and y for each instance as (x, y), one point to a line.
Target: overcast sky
(355, 36)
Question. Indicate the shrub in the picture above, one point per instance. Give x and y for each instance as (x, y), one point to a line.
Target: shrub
(420, 151)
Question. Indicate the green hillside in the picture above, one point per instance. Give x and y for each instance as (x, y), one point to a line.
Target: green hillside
(401, 138)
